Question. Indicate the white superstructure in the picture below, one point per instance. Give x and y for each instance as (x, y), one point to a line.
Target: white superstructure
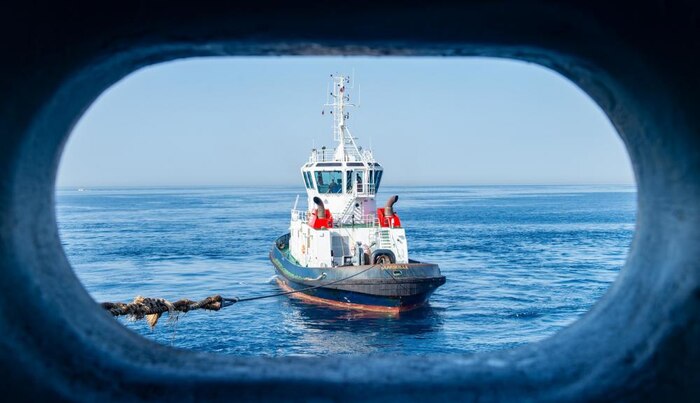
(345, 180)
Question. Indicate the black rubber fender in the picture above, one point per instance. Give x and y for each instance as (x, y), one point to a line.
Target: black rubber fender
(377, 254)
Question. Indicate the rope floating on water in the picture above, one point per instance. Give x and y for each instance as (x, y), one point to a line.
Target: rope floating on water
(153, 308)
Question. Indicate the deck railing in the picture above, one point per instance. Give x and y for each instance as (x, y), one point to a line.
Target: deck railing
(299, 215)
(367, 220)
(328, 155)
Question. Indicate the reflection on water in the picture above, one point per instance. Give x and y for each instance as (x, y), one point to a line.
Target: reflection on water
(327, 330)
(320, 317)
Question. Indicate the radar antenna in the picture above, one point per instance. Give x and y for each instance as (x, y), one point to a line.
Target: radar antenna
(347, 149)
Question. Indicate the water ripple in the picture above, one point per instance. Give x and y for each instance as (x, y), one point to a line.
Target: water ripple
(521, 262)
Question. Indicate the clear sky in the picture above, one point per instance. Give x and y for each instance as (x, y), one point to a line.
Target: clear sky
(228, 121)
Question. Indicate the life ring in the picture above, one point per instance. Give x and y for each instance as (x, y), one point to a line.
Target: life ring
(303, 248)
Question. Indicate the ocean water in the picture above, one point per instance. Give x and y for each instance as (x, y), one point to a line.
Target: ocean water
(521, 263)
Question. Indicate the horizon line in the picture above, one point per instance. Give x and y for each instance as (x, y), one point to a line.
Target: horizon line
(249, 185)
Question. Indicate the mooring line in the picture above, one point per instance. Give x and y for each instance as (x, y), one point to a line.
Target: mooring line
(153, 308)
(232, 301)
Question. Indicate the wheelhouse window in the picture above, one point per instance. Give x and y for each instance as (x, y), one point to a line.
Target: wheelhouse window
(329, 181)
(308, 181)
(375, 177)
(359, 180)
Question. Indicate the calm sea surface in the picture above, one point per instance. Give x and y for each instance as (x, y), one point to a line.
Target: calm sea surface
(521, 263)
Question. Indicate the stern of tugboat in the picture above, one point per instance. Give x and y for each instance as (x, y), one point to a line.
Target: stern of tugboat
(390, 288)
(343, 250)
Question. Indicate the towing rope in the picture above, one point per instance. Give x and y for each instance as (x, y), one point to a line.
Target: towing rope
(153, 308)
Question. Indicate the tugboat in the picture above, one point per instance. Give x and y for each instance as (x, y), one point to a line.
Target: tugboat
(344, 251)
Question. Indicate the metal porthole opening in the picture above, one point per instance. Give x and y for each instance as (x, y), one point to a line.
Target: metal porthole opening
(639, 341)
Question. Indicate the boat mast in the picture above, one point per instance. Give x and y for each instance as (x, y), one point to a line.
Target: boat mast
(346, 142)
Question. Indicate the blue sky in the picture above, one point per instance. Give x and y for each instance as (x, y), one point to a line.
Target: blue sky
(253, 121)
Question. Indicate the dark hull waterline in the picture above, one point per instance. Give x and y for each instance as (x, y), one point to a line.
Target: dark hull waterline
(388, 288)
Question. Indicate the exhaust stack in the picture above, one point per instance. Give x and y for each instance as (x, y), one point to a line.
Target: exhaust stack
(321, 213)
(389, 208)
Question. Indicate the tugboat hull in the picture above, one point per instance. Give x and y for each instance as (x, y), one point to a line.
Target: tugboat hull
(388, 288)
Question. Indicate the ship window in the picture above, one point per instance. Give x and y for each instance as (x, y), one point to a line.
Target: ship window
(348, 182)
(359, 179)
(375, 177)
(308, 180)
(329, 181)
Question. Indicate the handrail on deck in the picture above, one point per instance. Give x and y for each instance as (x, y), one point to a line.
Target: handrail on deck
(367, 219)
